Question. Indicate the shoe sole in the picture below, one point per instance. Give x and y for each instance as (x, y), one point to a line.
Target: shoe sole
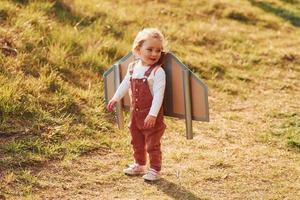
(148, 180)
(134, 174)
(151, 180)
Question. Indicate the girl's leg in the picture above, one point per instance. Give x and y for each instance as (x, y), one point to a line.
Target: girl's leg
(138, 144)
(153, 145)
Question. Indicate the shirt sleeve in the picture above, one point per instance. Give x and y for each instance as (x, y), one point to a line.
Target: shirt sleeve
(159, 84)
(123, 87)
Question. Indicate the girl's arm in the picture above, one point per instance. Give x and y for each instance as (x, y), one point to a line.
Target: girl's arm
(120, 93)
(122, 89)
(159, 84)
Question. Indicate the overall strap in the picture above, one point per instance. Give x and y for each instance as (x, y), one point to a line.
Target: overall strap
(156, 68)
(152, 67)
(130, 68)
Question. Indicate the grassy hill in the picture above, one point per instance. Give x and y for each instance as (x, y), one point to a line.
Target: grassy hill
(52, 110)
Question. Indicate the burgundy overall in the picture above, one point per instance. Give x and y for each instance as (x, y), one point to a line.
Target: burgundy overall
(145, 139)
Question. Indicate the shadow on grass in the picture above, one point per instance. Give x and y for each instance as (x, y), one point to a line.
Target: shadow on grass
(280, 12)
(173, 190)
(65, 14)
(22, 2)
(291, 1)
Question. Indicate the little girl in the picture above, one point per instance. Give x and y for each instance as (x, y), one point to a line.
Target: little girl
(145, 80)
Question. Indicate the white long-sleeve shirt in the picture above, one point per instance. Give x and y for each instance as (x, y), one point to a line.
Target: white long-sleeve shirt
(157, 84)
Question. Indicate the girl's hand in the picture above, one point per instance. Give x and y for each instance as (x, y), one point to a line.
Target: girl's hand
(111, 104)
(149, 121)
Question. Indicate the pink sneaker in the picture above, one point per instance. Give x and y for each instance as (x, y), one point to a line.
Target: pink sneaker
(135, 169)
(152, 175)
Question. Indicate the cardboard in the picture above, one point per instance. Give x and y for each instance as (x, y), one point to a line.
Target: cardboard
(174, 102)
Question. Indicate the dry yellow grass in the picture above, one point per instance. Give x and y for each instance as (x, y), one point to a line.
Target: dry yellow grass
(225, 160)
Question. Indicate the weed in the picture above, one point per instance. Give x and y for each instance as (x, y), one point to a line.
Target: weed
(285, 126)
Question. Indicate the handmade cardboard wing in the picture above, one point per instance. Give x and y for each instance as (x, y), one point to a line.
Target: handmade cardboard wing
(177, 94)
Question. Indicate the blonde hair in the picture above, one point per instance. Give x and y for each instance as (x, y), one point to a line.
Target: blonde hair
(144, 34)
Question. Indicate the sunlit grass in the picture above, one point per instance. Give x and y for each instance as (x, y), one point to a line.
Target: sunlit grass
(53, 54)
(284, 128)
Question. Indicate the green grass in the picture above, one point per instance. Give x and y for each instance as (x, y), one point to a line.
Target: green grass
(53, 54)
(284, 127)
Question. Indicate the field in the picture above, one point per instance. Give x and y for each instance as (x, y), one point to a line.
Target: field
(57, 141)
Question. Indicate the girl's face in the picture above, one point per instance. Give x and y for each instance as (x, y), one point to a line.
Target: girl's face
(150, 51)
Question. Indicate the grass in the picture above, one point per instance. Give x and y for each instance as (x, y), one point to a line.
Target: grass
(286, 129)
(55, 132)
